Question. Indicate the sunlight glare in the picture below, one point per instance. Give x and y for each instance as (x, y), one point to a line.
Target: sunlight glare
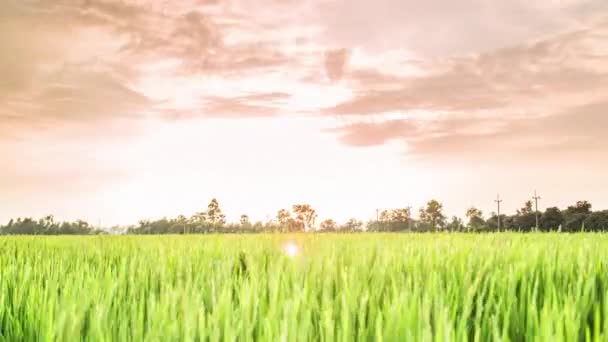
(291, 249)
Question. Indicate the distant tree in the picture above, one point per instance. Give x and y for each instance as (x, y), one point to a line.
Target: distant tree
(245, 220)
(305, 215)
(581, 207)
(352, 225)
(432, 215)
(455, 225)
(392, 221)
(597, 221)
(385, 216)
(492, 222)
(551, 219)
(287, 223)
(527, 209)
(47, 226)
(328, 225)
(525, 219)
(198, 223)
(575, 216)
(283, 216)
(574, 222)
(476, 221)
(214, 213)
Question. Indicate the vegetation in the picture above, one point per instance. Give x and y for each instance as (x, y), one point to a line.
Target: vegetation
(302, 218)
(48, 226)
(408, 287)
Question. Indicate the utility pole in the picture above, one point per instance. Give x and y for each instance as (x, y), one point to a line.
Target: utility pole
(409, 218)
(498, 201)
(377, 217)
(536, 198)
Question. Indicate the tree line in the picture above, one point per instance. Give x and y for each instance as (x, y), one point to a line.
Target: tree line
(302, 218)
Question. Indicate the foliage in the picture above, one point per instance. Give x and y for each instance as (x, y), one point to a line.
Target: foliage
(47, 226)
(328, 225)
(432, 216)
(305, 216)
(476, 221)
(352, 226)
(395, 220)
(574, 219)
(552, 219)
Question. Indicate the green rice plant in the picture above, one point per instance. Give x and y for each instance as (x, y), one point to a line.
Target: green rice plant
(372, 287)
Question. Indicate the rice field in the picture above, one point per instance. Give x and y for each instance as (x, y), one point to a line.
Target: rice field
(361, 287)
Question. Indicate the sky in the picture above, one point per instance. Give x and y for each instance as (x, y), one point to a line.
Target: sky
(118, 110)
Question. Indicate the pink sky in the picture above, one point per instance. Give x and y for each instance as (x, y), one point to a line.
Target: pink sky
(117, 110)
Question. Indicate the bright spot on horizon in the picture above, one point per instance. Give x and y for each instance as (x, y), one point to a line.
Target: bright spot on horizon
(291, 249)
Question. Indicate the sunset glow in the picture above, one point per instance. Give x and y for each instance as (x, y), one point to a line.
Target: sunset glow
(113, 111)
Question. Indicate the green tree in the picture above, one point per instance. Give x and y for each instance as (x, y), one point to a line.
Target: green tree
(597, 221)
(525, 219)
(455, 224)
(393, 220)
(527, 209)
(432, 215)
(492, 222)
(551, 219)
(581, 207)
(476, 221)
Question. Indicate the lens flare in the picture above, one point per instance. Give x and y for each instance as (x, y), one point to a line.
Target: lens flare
(291, 249)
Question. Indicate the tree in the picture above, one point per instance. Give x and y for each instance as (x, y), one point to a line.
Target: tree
(283, 216)
(305, 215)
(287, 223)
(245, 221)
(432, 215)
(527, 209)
(597, 221)
(385, 216)
(214, 213)
(525, 219)
(328, 225)
(574, 222)
(492, 222)
(392, 220)
(455, 225)
(476, 221)
(576, 215)
(551, 219)
(352, 225)
(581, 207)
(47, 226)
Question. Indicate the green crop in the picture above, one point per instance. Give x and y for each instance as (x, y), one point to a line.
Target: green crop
(392, 287)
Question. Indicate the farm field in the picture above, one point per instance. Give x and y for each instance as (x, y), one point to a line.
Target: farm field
(359, 287)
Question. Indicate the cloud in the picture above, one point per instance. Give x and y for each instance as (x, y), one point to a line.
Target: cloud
(566, 65)
(436, 28)
(335, 63)
(373, 134)
(81, 61)
(244, 106)
(576, 134)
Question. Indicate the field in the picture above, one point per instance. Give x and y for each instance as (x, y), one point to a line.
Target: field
(401, 287)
